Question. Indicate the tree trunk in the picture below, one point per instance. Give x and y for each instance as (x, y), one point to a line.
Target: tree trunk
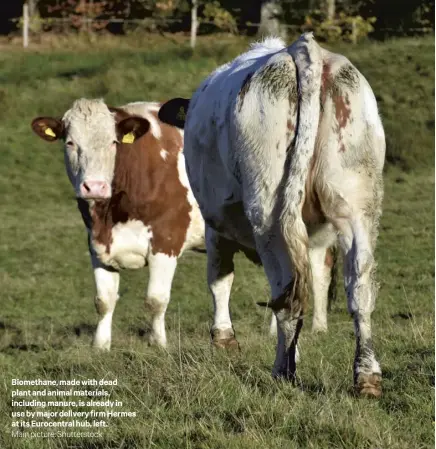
(330, 9)
(194, 23)
(25, 25)
(270, 14)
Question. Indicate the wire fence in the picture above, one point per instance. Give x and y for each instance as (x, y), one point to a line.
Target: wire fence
(32, 26)
(157, 21)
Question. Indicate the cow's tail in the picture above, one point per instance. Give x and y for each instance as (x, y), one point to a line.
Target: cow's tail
(308, 60)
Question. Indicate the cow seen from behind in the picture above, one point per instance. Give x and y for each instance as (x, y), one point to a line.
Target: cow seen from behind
(284, 152)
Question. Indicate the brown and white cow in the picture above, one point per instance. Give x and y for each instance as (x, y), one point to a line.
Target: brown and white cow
(128, 172)
(284, 151)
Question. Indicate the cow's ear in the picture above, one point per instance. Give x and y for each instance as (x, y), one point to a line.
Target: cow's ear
(119, 114)
(132, 128)
(174, 111)
(48, 128)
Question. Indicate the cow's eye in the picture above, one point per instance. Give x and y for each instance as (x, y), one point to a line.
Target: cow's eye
(115, 142)
(70, 143)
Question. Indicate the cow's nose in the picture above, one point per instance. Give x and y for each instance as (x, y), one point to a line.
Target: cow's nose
(95, 189)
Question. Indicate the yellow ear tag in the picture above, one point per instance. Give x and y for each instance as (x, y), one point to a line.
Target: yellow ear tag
(49, 132)
(181, 115)
(128, 138)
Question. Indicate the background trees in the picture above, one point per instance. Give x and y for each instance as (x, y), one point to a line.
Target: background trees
(329, 18)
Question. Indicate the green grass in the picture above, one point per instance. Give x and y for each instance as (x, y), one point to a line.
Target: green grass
(191, 396)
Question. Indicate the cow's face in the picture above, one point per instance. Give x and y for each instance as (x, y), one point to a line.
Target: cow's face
(91, 132)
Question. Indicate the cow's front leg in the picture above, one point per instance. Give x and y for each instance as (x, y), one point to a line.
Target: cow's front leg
(161, 268)
(273, 326)
(107, 283)
(220, 273)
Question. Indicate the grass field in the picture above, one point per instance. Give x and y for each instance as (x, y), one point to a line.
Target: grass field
(191, 396)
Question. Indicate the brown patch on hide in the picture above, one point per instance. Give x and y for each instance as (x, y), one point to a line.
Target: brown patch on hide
(329, 259)
(325, 81)
(336, 87)
(343, 109)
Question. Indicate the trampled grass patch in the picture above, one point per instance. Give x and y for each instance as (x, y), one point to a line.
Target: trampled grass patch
(191, 396)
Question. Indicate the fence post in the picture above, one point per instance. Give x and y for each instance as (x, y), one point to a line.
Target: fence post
(25, 25)
(194, 23)
(353, 31)
(90, 15)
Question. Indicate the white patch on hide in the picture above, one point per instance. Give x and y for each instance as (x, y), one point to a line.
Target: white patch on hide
(129, 247)
(195, 232)
(144, 109)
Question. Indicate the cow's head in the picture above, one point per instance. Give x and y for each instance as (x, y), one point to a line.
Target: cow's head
(91, 132)
(174, 112)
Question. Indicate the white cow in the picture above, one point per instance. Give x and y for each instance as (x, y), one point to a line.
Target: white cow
(284, 151)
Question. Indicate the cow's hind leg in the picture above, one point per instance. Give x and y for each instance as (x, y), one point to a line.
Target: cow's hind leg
(161, 268)
(288, 311)
(220, 273)
(273, 333)
(358, 241)
(107, 284)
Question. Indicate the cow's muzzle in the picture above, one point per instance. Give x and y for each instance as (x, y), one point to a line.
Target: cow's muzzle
(95, 190)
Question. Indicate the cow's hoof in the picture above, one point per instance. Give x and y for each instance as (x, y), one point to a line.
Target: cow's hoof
(99, 345)
(157, 340)
(224, 339)
(227, 343)
(369, 385)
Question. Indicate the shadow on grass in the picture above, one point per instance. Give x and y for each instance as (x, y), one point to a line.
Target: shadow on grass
(142, 332)
(85, 72)
(84, 329)
(13, 339)
(35, 348)
(315, 388)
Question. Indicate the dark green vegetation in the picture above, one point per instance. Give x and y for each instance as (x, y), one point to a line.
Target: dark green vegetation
(191, 396)
(411, 17)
